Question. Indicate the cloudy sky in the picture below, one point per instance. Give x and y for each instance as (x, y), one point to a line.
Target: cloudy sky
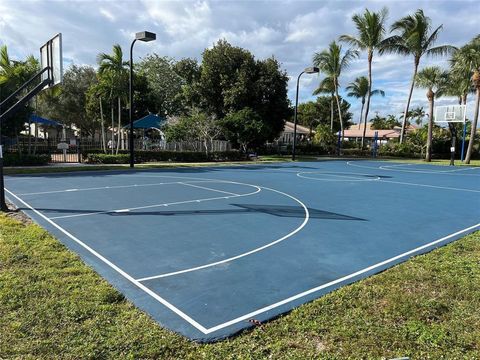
(292, 31)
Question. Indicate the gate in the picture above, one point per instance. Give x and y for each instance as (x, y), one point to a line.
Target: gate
(66, 153)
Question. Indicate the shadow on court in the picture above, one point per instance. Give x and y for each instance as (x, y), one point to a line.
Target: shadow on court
(274, 210)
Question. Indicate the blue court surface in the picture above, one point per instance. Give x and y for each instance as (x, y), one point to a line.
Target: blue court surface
(206, 250)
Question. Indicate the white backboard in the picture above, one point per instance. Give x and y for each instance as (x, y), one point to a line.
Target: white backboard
(450, 113)
(51, 56)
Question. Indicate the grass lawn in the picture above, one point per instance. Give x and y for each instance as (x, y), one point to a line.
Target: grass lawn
(54, 306)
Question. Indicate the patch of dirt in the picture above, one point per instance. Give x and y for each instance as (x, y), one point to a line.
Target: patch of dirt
(16, 214)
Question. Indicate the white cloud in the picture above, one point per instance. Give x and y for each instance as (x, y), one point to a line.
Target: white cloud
(292, 31)
(107, 14)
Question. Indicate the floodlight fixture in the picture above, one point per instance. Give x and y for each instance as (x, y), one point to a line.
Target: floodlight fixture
(307, 70)
(144, 36)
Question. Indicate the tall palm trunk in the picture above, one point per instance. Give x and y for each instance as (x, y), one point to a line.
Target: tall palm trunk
(113, 126)
(431, 101)
(361, 115)
(102, 124)
(404, 123)
(364, 123)
(370, 57)
(474, 123)
(119, 124)
(339, 111)
(331, 113)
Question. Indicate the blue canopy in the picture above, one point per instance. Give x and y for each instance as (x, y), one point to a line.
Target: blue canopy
(39, 120)
(151, 121)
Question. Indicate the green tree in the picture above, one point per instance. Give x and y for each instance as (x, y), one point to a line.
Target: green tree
(467, 61)
(244, 127)
(226, 79)
(315, 113)
(231, 80)
(331, 62)
(359, 89)
(327, 86)
(270, 99)
(308, 115)
(112, 70)
(414, 38)
(384, 123)
(14, 74)
(165, 85)
(69, 107)
(370, 37)
(416, 114)
(325, 138)
(433, 79)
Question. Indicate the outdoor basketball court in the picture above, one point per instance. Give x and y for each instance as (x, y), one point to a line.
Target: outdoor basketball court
(205, 250)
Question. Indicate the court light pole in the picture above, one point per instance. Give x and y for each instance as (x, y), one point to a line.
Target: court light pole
(308, 70)
(144, 36)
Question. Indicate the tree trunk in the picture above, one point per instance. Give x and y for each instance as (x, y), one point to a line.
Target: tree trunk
(112, 141)
(474, 128)
(339, 110)
(431, 101)
(370, 57)
(119, 124)
(404, 123)
(364, 125)
(331, 113)
(102, 124)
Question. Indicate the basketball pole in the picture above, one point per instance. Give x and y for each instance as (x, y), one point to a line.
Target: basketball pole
(3, 204)
(464, 135)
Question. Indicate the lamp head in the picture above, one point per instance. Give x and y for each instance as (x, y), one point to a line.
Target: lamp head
(145, 36)
(311, 70)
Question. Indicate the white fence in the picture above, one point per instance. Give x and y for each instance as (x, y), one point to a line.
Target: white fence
(215, 145)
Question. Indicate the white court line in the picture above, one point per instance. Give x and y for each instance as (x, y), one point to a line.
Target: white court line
(117, 269)
(110, 187)
(156, 205)
(344, 177)
(425, 171)
(334, 282)
(429, 186)
(397, 165)
(302, 225)
(440, 172)
(207, 188)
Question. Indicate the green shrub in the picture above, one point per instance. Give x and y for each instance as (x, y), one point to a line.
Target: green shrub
(156, 156)
(16, 159)
(107, 159)
(401, 150)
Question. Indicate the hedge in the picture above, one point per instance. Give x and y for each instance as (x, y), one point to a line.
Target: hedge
(16, 159)
(156, 156)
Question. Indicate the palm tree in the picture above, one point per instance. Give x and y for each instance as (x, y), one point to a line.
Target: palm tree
(432, 78)
(327, 87)
(332, 63)
(414, 38)
(6, 65)
(417, 114)
(467, 59)
(371, 31)
(359, 89)
(113, 69)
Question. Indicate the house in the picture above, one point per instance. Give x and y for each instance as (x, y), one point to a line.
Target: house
(355, 133)
(286, 136)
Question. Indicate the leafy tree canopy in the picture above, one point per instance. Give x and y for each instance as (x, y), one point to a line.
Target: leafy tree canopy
(314, 113)
(164, 83)
(244, 127)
